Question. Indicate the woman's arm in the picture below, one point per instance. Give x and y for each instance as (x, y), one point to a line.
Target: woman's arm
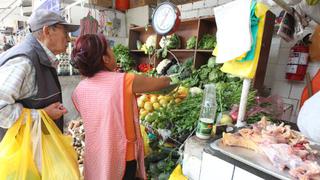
(143, 84)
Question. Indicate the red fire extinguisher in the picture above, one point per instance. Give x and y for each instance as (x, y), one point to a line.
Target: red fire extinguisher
(298, 60)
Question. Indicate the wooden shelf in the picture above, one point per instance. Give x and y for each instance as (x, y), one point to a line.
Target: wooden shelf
(204, 51)
(186, 29)
(137, 51)
(199, 27)
(182, 50)
(140, 28)
(172, 50)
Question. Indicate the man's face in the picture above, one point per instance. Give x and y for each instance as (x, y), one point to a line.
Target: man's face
(57, 39)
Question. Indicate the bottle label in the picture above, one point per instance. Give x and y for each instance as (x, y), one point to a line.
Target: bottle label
(204, 128)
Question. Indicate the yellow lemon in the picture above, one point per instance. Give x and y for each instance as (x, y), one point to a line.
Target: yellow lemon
(143, 98)
(148, 106)
(153, 99)
(163, 102)
(160, 97)
(140, 103)
(143, 113)
(168, 98)
(182, 90)
(156, 105)
(177, 100)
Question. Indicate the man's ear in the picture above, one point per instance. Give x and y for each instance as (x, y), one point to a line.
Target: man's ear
(45, 30)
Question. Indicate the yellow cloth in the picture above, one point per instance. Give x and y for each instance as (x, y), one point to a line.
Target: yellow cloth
(248, 69)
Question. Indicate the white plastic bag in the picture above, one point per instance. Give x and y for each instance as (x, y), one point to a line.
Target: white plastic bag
(305, 10)
(36, 142)
(308, 118)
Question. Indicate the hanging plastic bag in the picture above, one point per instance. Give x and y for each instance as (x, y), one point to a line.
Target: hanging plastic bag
(248, 69)
(16, 158)
(254, 22)
(59, 159)
(147, 149)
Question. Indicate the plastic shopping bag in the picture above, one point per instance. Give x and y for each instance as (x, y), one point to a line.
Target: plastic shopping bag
(147, 149)
(248, 69)
(177, 174)
(59, 159)
(16, 158)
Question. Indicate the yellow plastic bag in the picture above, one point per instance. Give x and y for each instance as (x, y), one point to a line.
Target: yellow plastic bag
(59, 159)
(16, 158)
(248, 69)
(147, 149)
(177, 174)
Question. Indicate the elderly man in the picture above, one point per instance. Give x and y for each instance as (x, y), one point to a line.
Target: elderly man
(28, 75)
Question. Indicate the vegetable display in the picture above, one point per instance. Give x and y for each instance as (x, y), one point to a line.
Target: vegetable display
(191, 42)
(164, 65)
(123, 58)
(149, 46)
(168, 42)
(144, 67)
(208, 41)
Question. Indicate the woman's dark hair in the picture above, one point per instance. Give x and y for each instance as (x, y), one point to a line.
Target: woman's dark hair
(87, 54)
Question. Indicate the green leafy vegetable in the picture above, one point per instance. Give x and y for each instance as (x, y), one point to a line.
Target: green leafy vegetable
(123, 58)
(191, 42)
(208, 41)
(173, 69)
(212, 62)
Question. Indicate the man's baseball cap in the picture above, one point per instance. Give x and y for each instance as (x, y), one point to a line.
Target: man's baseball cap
(43, 17)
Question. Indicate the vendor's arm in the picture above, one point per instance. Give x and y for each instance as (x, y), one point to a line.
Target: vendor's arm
(143, 84)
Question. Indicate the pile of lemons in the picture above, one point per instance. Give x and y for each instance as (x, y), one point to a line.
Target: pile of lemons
(148, 103)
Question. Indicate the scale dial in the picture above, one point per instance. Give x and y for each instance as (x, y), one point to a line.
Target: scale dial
(165, 18)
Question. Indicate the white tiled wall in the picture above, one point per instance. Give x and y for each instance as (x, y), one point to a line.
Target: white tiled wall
(199, 8)
(290, 91)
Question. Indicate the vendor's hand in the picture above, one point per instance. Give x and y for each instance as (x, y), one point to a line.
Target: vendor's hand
(55, 110)
(174, 78)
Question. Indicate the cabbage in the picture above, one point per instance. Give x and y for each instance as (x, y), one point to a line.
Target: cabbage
(170, 42)
(151, 41)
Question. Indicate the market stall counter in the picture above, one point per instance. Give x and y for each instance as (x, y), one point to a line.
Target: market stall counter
(230, 167)
(237, 163)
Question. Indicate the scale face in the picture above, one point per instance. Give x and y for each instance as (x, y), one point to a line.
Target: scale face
(165, 18)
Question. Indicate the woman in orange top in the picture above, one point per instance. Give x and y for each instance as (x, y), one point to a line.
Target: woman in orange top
(107, 104)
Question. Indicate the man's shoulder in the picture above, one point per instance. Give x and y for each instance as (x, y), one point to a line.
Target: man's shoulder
(21, 49)
(21, 60)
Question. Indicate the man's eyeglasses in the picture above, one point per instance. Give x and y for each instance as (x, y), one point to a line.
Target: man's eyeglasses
(58, 26)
